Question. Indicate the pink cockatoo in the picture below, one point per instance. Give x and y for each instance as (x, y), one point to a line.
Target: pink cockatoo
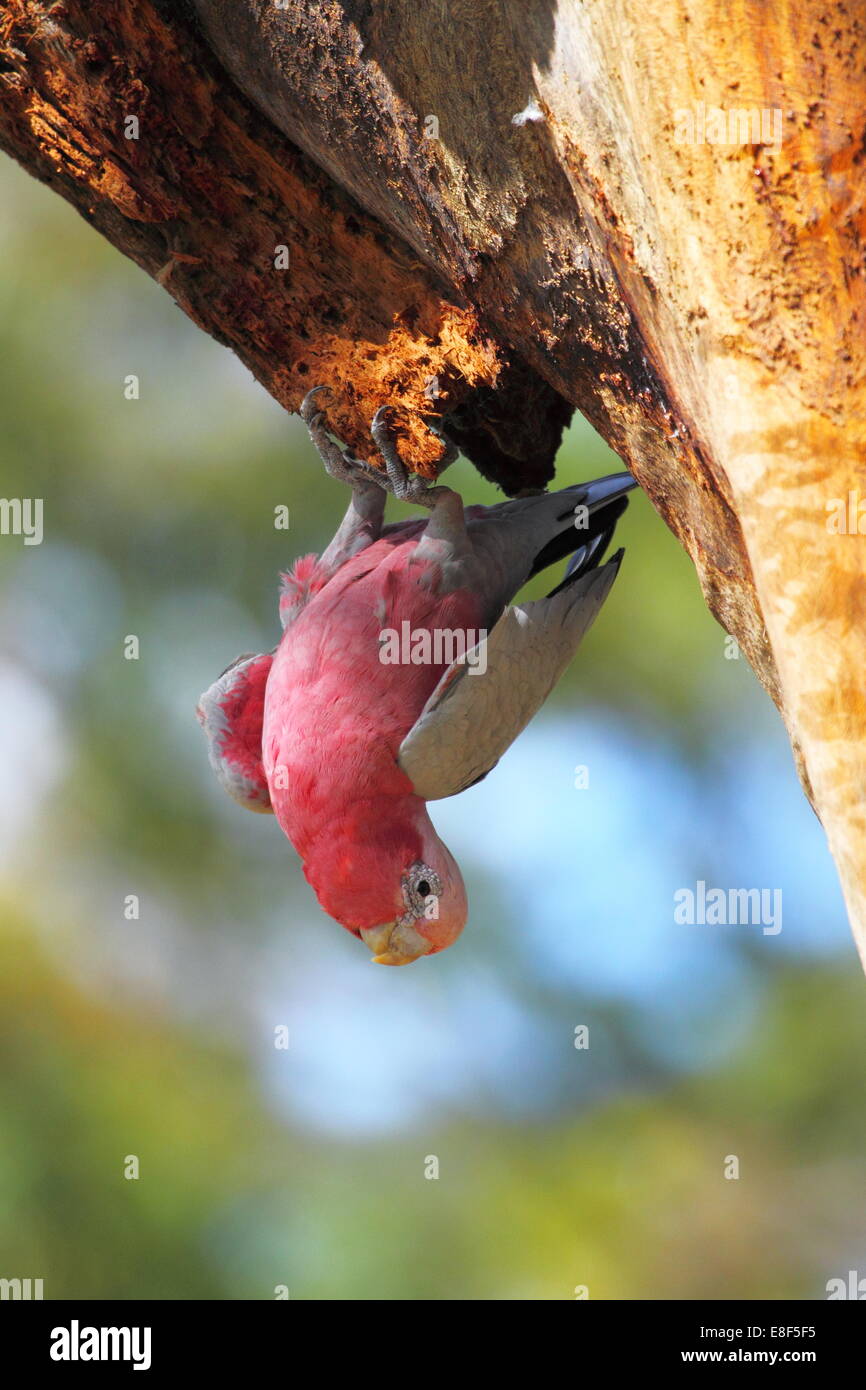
(402, 676)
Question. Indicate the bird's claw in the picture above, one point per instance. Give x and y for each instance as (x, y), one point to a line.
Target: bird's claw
(308, 405)
(403, 485)
(339, 463)
(395, 478)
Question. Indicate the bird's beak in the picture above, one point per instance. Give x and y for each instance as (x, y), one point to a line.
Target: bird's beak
(395, 943)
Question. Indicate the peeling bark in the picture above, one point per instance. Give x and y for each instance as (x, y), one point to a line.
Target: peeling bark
(702, 302)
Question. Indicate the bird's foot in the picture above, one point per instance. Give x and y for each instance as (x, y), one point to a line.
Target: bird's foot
(395, 478)
(339, 463)
(406, 486)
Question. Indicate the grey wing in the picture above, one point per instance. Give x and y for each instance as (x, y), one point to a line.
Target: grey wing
(474, 715)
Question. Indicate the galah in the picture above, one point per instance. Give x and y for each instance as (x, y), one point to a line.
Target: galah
(402, 676)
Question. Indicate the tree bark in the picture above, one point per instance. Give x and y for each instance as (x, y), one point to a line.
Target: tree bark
(520, 204)
(203, 195)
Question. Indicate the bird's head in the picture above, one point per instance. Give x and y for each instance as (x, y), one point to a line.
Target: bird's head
(397, 888)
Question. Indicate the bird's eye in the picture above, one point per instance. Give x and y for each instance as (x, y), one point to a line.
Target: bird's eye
(420, 884)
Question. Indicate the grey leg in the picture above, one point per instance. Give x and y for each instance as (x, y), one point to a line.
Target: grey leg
(362, 524)
(360, 527)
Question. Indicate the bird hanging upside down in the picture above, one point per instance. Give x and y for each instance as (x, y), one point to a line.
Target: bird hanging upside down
(346, 736)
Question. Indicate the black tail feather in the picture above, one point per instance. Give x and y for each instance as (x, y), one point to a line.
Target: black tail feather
(579, 571)
(601, 525)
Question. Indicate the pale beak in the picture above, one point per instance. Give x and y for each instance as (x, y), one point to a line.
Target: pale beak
(395, 943)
